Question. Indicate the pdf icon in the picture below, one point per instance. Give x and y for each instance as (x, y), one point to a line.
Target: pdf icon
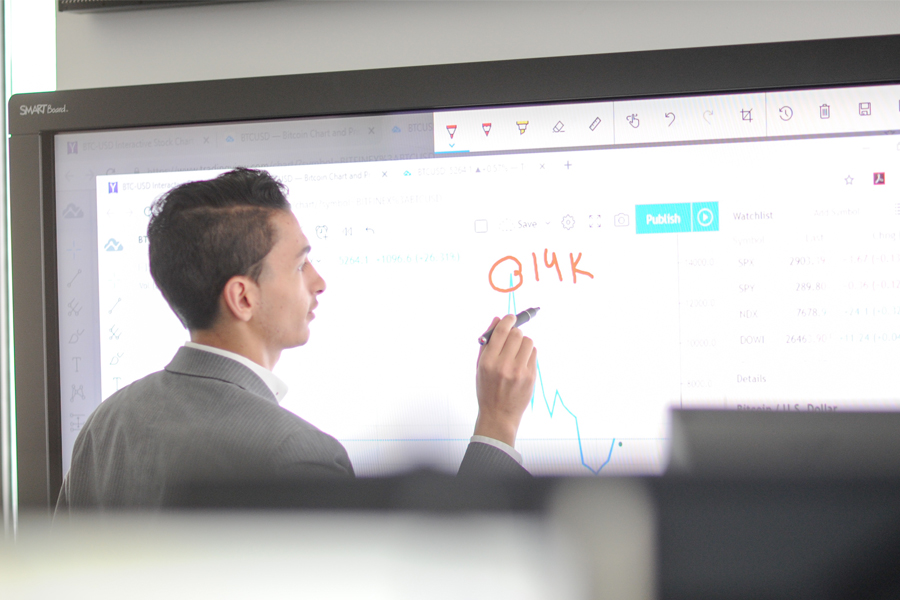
(878, 179)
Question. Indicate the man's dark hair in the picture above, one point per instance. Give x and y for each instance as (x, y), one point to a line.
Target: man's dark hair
(203, 233)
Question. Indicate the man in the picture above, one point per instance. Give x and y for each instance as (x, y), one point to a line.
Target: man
(232, 262)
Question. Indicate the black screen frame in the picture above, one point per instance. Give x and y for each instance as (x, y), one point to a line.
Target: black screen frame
(709, 70)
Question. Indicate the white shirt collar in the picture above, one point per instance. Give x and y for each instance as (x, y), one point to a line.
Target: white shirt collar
(278, 387)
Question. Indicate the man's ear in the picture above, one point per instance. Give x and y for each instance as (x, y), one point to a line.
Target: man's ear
(240, 297)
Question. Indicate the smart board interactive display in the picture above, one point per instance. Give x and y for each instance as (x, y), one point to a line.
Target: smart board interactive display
(698, 227)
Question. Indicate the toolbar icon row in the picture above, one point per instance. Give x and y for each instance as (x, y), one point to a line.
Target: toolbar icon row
(522, 127)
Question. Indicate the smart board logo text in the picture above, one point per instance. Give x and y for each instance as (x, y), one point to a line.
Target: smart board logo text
(41, 109)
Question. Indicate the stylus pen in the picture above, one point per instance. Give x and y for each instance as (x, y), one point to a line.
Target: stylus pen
(521, 318)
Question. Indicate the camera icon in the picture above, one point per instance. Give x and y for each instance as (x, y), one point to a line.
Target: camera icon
(621, 220)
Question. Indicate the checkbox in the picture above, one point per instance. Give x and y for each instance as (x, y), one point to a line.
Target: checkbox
(481, 226)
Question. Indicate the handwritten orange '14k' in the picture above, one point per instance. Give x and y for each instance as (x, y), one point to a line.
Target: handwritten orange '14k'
(553, 263)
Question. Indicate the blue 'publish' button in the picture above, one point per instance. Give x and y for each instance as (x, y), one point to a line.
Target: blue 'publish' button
(663, 218)
(682, 217)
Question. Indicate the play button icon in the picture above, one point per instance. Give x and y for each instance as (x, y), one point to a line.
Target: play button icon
(706, 216)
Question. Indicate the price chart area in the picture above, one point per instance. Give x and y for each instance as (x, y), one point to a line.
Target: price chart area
(665, 277)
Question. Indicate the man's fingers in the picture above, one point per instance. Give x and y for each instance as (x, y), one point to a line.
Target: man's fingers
(513, 343)
(501, 332)
(481, 347)
(532, 361)
(525, 348)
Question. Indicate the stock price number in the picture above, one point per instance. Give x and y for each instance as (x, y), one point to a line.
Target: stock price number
(700, 262)
(806, 286)
(806, 261)
(818, 338)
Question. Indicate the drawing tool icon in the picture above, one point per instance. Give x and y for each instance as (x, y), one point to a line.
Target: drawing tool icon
(72, 212)
(77, 390)
(451, 129)
(73, 279)
(595, 124)
(487, 128)
(522, 125)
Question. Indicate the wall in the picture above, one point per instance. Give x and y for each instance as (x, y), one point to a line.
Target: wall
(291, 36)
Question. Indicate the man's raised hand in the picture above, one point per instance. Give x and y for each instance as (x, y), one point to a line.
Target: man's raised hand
(504, 380)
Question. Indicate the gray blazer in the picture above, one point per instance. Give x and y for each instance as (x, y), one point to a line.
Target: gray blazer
(208, 418)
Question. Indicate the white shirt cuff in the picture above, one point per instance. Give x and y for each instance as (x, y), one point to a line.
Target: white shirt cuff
(499, 445)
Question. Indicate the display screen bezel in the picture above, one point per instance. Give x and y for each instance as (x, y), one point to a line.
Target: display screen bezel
(35, 119)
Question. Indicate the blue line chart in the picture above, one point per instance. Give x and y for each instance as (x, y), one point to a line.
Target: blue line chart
(552, 409)
(557, 397)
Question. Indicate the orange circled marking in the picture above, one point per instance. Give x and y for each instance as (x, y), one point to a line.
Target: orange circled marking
(517, 273)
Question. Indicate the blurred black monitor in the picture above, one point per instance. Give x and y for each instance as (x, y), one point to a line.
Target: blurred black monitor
(727, 443)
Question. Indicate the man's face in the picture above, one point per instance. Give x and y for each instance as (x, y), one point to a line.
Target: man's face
(288, 286)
